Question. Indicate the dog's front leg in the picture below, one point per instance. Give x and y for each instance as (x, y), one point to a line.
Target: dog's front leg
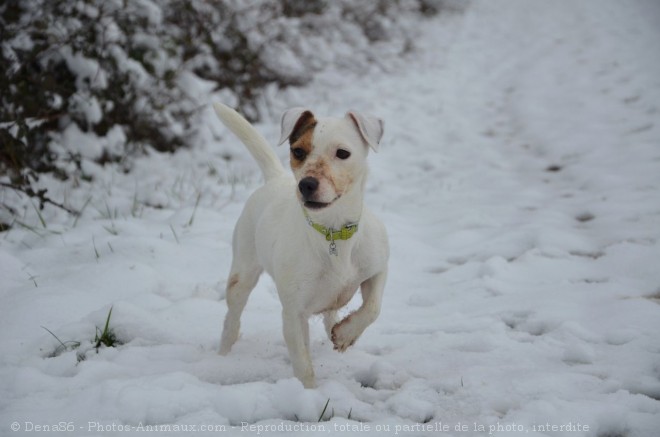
(346, 332)
(329, 321)
(296, 336)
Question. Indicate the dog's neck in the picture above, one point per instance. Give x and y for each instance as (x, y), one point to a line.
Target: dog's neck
(341, 217)
(346, 210)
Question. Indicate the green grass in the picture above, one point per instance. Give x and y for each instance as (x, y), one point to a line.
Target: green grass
(105, 337)
(324, 409)
(331, 415)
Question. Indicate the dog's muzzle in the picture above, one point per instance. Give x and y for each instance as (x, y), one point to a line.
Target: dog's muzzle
(308, 187)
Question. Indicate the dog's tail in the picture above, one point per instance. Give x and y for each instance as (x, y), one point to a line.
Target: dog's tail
(264, 155)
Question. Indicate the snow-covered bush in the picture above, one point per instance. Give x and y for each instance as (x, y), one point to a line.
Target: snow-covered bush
(101, 80)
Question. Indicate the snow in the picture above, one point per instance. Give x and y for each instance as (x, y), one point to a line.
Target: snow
(519, 179)
(85, 69)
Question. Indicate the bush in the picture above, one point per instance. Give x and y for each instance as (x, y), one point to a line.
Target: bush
(101, 80)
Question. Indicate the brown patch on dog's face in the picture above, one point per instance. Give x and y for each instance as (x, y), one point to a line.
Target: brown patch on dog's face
(301, 139)
(305, 121)
(318, 169)
(301, 147)
(338, 179)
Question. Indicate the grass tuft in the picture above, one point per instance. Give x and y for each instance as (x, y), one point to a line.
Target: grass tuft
(106, 337)
(64, 345)
(82, 210)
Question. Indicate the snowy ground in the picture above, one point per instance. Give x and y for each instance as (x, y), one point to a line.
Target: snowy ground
(519, 179)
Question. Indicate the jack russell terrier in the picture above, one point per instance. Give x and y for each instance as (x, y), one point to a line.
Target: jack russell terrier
(311, 233)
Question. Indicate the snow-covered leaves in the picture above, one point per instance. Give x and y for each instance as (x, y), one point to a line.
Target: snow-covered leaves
(99, 80)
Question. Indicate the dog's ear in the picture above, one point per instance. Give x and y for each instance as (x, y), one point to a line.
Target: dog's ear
(294, 120)
(370, 128)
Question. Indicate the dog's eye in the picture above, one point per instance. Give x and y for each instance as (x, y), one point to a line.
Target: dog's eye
(298, 153)
(343, 154)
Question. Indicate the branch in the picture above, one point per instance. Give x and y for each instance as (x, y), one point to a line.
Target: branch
(41, 195)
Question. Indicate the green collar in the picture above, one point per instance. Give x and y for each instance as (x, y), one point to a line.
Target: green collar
(331, 234)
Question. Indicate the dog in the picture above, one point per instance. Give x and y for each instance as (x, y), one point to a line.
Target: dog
(311, 232)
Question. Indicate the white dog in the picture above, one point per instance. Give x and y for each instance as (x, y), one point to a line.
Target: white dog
(312, 234)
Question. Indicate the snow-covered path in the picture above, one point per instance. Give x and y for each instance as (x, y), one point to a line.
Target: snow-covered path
(538, 175)
(520, 183)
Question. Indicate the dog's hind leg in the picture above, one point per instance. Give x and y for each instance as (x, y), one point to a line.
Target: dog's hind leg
(241, 283)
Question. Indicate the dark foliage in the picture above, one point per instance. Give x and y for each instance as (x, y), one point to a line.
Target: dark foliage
(113, 69)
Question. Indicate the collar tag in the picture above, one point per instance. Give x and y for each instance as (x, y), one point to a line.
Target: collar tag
(333, 248)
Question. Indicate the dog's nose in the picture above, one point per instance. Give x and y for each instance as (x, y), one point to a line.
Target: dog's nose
(308, 186)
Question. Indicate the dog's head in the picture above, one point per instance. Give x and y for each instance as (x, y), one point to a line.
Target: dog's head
(328, 155)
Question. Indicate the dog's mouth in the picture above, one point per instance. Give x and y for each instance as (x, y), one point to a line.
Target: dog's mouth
(319, 205)
(316, 205)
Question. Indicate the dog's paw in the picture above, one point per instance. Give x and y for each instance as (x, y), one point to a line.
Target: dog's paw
(343, 335)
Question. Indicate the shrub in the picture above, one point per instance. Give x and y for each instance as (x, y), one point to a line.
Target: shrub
(101, 80)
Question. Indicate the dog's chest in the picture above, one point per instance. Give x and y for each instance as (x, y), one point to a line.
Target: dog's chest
(333, 290)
